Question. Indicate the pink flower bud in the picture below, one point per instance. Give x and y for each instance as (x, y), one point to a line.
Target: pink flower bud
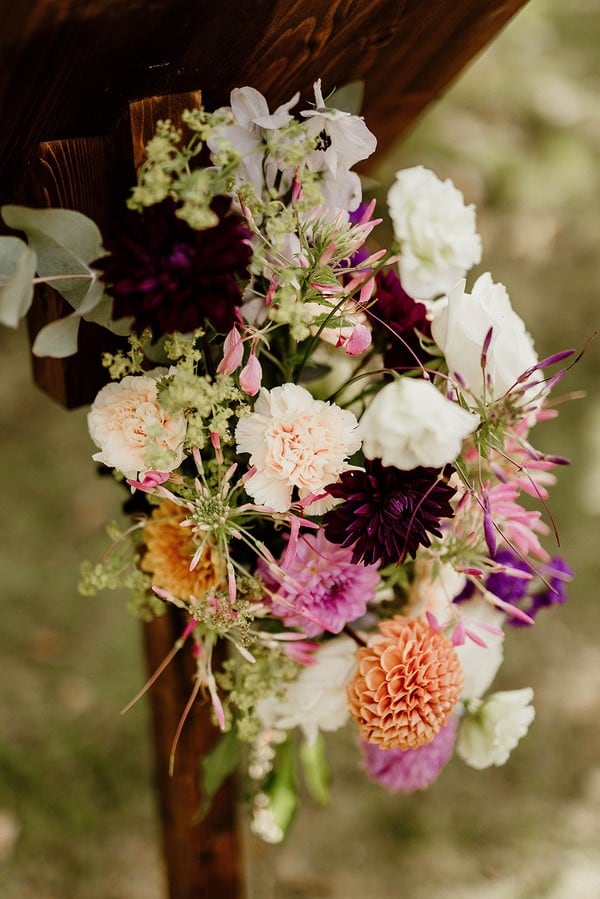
(359, 341)
(150, 481)
(296, 186)
(233, 353)
(251, 376)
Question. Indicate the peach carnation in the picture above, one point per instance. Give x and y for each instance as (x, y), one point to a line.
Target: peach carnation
(169, 551)
(127, 422)
(408, 681)
(294, 441)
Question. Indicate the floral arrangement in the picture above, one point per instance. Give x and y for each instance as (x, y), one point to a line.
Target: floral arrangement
(326, 443)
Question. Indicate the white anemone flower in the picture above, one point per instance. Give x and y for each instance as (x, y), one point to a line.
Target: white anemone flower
(345, 137)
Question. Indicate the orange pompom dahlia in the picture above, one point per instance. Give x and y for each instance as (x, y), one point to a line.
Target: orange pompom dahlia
(169, 551)
(408, 681)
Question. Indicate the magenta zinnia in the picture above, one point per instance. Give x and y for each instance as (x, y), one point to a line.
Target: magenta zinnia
(320, 588)
(385, 513)
(170, 277)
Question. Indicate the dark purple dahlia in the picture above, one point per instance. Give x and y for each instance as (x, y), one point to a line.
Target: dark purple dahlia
(396, 319)
(170, 277)
(386, 513)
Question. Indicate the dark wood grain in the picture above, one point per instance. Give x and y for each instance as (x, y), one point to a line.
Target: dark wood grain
(203, 859)
(68, 66)
(91, 175)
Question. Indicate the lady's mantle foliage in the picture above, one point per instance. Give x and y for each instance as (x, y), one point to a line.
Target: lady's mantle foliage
(313, 450)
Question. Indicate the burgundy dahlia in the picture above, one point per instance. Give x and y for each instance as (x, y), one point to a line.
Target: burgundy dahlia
(386, 513)
(396, 320)
(170, 277)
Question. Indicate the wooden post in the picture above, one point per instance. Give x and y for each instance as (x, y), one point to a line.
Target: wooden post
(93, 175)
(203, 858)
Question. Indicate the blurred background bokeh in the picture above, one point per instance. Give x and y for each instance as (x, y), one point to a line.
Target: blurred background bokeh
(520, 135)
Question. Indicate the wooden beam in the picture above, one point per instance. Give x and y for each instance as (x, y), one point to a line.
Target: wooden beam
(67, 66)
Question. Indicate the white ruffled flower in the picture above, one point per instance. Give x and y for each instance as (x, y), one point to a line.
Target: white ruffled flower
(439, 243)
(492, 727)
(294, 441)
(410, 423)
(480, 664)
(127, 422)
(460, 325)
(316, 700)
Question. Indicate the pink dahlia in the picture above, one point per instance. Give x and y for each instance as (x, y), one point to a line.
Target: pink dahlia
(407, 770)
(321, 590)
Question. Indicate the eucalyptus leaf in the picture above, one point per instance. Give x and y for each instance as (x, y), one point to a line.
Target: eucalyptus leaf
(58, 339)
(17, 270)
(65, 241)
(101, 315)
(316, 769)
(215, 767)
(348, 98)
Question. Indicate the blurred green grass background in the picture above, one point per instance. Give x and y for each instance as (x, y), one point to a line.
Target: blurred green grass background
(520, 135)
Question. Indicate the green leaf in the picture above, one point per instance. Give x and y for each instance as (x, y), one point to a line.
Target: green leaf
(65, 241)
(280, 787)
(348, 98)
(17, 270)
(316, 769)
(59, 338)
(216, 766)
(101, 315)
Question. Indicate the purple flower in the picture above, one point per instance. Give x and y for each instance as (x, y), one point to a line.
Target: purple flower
(398, 318)
(530, 594)
(387, 513)
(407, 770)
(506, 586)
(170, 277)
(321, 590)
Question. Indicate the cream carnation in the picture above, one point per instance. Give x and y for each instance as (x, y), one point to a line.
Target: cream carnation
(460, 326)
(410, 423)
(438, 240)
(316, 700)
(127, 423)
(493, 727)
(294, 441)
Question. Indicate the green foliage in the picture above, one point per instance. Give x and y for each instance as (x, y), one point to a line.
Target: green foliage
(65, 243)
(348, 98)
(17, 269)
(315, 769)
(216, 766)
(280, 787)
